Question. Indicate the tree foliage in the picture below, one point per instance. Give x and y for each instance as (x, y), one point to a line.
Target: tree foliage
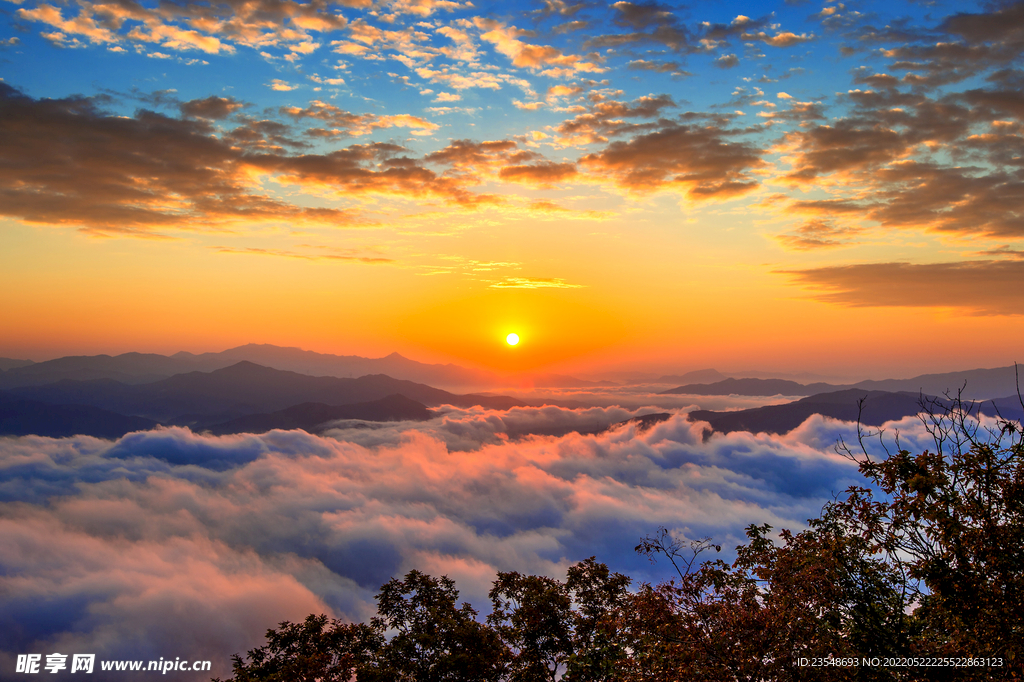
(926, 559)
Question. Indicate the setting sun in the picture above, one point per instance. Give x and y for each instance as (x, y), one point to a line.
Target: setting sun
(512, 339)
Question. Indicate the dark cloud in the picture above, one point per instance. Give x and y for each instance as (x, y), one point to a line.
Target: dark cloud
(979, 287)
(651, 22)
(67, 162)
(959, 47)
(653, 65)
(539, 174)
(606, 117)
(211, 107)
(698, 160)
(470, 154)
(727, 61)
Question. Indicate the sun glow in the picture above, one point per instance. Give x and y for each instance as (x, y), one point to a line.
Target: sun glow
(512, 339)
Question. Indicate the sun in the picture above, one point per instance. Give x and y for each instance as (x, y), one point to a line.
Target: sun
(512, 339)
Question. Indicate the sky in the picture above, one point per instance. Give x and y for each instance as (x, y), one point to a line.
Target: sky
(807, 186)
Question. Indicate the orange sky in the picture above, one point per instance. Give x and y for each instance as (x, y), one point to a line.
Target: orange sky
(648, 190)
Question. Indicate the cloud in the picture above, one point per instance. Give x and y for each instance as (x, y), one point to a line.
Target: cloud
(283, 253)
(533, 283)
(137, 549)
(983, 287)
(697, 160)
(211, 107)
(545, 58)
(727, 61)
(501, 160)
(72, 164)
(817, 234)
(653, 65)
(186, 26)
(962, 45)
(539, 174)
(279, 85)
(344, 123)
(781, 39)
(605, 118)
(84, 24)
(651, 22)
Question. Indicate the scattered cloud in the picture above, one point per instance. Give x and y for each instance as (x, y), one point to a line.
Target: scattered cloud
(73, 164)
(983, 287)
(545, 58)
(543, 174)
(281, 86)
(817, 234)
(344, 123)
(699, 161)
(534, 283)
(212, 108)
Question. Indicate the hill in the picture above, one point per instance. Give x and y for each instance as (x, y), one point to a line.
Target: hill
(313, 417)
(879, 407)
(19, 417)
(977, 384)
(140, 368)
(195, 398)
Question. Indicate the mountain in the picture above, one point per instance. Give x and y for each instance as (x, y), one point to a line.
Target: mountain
(977, 384)
(345, 366)
(244, 388)
(129, 368)
(564, 381)
(752, 387)
(312, 417)
(644, 422)
(19, 417)
(879, 407)
(700, 376)
(141, 368)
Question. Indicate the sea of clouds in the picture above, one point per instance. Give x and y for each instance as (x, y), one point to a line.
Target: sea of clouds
(168, 543)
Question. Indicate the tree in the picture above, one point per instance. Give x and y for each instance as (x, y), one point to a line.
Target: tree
(599, 597)
(434, 640)
(816, 595)
(951, 520)
(317, 650)
(531, 614)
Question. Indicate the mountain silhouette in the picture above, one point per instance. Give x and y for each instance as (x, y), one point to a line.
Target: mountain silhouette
(20, 417)
(879, 407)
(138, 368)
(312, 417)
(976, 384)
(242, 389)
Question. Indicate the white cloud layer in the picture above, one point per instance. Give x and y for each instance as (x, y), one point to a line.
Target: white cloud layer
(169, 543)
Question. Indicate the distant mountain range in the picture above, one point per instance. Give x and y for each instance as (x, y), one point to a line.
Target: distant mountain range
(108, 396)
(317, 417)
(242, 397)
(244, 388)
(142, 368)
(19, 417)
(977, 384)
(879, 407)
